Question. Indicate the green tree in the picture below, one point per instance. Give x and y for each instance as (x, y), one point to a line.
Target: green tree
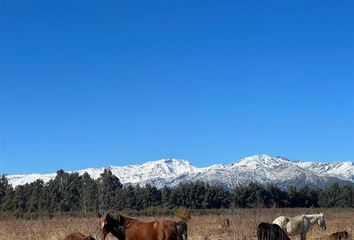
(36, 200)
(278, 198)
(330, 196)
(8, 204)
(130, 197)
(347, 196)
(165, 197)
(88, 193)
(21, 199)
(4, 184)
(107, 187)
(216, 197)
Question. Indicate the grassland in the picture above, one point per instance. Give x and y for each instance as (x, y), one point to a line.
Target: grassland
(243, 223)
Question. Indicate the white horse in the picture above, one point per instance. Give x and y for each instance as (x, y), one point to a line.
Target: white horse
(300, 225)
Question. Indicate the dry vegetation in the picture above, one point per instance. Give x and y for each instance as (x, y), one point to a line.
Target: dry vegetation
(243, 223)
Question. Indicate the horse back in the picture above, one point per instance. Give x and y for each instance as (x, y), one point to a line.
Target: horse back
(281, 221)
(165, 230)
(157, 230)
(78, 236)
(269, 231)
(292, 225)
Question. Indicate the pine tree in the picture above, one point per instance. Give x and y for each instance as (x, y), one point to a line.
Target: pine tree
(107, 187)
(8, 204)
(4, 184)
(165, 197)
(330, 196)
(21, 199)
(35, 200)
(88, 193)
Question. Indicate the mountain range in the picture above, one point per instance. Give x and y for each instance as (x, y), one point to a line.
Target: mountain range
(262, 169)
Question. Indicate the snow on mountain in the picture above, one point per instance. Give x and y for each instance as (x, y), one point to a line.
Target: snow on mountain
(164, 168)
(21, 179)
(266, 169)
(342, 170)
(258, 168)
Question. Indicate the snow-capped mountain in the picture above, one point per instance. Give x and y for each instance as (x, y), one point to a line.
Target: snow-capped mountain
(258, 168)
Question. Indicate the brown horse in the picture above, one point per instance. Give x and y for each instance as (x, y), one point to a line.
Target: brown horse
(78, 236)
(268, 231)
(125, 228)
(344, 235)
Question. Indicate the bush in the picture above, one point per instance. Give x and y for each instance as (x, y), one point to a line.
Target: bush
(183, 213)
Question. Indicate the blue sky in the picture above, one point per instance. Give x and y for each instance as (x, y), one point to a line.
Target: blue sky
(91, 84)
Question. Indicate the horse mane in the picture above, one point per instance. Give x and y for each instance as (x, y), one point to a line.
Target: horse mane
(119, 223)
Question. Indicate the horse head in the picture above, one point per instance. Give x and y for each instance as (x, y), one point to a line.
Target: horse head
(104, 226)
(110, 224)
(321, 222)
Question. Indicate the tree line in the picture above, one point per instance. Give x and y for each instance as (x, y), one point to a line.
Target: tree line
(82, 195)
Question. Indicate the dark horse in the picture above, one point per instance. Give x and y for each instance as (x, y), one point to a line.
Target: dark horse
(182, 230)
(344, 235)
(268, 231)
(78, 236)
(125, 228)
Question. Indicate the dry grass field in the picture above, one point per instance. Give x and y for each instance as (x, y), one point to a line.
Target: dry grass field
(243, 224)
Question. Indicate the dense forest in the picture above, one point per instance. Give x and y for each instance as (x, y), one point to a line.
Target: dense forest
(71, 193)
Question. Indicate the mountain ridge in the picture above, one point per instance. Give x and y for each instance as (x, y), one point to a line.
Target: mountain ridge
(261, 168)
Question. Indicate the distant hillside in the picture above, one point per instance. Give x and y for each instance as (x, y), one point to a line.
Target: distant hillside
(261, 169)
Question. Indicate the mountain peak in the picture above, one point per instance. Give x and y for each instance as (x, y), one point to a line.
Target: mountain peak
(171, 161)
(259, 160)
(262, 157)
